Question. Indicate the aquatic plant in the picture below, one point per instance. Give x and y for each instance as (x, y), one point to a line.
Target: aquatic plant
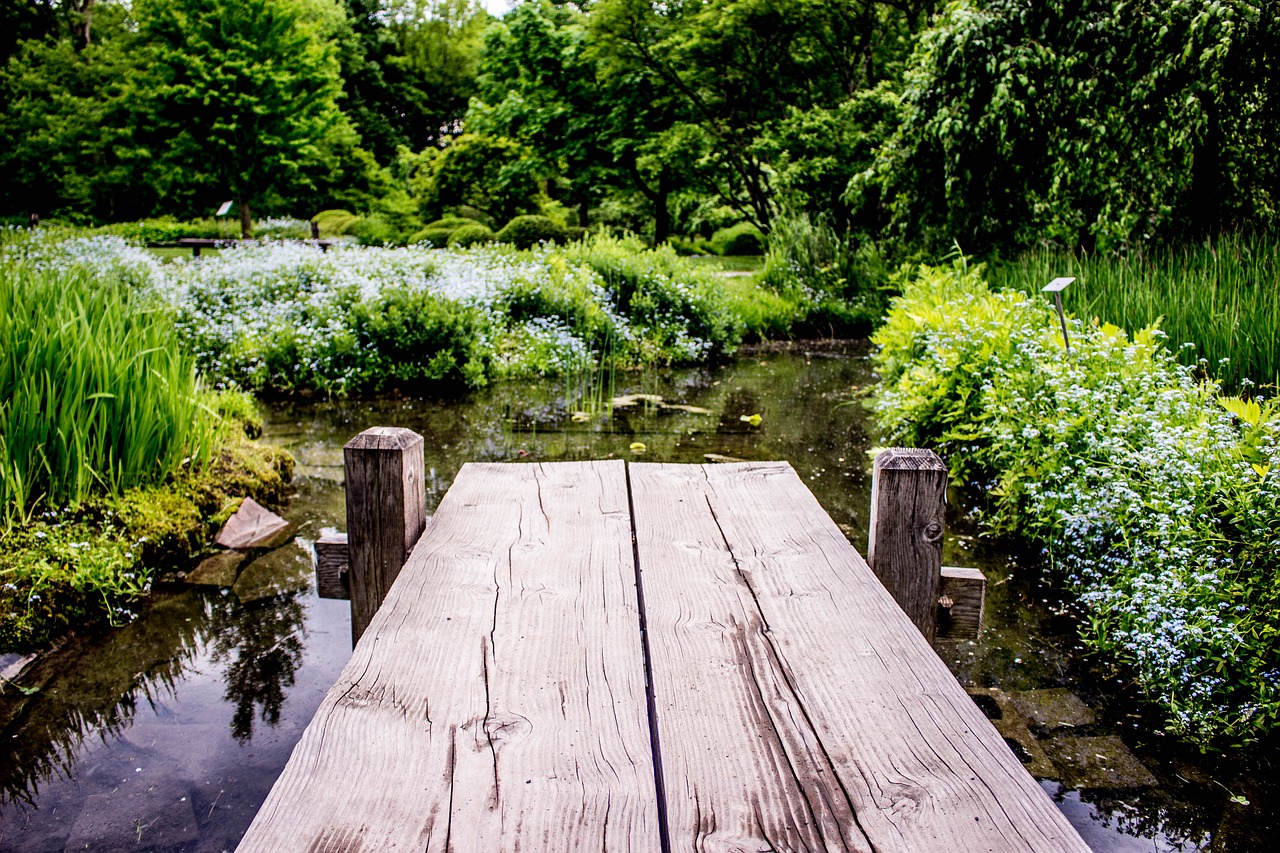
(1157, 499)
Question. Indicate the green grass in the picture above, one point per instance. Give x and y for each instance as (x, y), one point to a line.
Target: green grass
(729, 263)
(95, 396)
(1223, 295)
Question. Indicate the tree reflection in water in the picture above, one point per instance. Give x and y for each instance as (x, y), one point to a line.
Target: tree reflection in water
(261, 646)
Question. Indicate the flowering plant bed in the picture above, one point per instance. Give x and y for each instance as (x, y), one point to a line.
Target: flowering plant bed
(1157, 499)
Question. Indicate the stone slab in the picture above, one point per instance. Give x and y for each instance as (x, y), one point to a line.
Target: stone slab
(252, 526)
(1055, 708)
(1097, 762)
(219, 570)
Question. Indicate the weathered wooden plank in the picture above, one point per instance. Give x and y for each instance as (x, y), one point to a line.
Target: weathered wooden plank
(797, 707)
(908, 515)
(962, 602)
(497, 699)
(386, 513)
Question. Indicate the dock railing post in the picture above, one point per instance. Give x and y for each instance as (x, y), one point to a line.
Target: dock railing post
(386, 513)
(908, 515)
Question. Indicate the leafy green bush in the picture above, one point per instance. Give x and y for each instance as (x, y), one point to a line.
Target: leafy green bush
(335, 223)
(837, 283)
(166, 229)
(437, 233)
(94, 396)
(405, 336)
(741, 239)
(1157, 499)
(524, 232)
(680, 310)
(470, 235)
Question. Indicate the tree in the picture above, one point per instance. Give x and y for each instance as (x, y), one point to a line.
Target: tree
(410, 68)
(1088, 124)
(236, 96)
(492, 174)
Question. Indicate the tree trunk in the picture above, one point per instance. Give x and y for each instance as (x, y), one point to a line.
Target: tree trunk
(661, 212)
(246, 222)
(584, 209)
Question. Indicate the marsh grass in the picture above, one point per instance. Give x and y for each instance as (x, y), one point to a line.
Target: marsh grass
(95, 394)
(1221, 294)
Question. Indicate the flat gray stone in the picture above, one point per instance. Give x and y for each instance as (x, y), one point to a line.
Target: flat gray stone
(218, 570)
(1056, 708)
(252, 526)
(1012, 726)
(1097, 762)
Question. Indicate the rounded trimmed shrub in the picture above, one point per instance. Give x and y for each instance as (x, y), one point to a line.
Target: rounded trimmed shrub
(526, 231)
(741, 239)
(470, 235)
(437, 233)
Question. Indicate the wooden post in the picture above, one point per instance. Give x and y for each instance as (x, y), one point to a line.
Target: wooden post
(908, 514)
(332, 567)
(386, 513)
(961, 603)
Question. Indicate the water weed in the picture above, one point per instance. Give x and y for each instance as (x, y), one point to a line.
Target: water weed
(1157, 499)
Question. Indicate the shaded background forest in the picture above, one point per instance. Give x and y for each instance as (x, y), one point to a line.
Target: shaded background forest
(996, 125)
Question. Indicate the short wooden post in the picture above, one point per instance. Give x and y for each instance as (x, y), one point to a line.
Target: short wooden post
(386, 513)
(332, 566)
(908, 514)
(961, 603)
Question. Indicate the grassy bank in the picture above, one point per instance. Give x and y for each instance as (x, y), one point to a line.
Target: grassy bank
(1156, 498)
(112, 455)
(1221, 294)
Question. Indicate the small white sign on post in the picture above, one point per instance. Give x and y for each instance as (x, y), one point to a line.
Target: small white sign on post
(1056, 287)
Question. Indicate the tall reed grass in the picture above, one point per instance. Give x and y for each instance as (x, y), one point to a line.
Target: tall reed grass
(95, 393)
(1222, 294)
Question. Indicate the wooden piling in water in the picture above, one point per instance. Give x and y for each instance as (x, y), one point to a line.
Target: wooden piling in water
(908, 517)
(386, 513)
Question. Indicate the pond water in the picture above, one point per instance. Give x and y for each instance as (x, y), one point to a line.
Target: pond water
(167, 734)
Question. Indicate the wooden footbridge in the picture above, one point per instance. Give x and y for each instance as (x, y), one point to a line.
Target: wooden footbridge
(622, 657)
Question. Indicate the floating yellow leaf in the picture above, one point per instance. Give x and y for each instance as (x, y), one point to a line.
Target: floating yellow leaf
(579, 417)
(754, 420)
(638, 447)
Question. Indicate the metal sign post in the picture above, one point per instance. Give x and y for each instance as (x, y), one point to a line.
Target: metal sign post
(1056, 287)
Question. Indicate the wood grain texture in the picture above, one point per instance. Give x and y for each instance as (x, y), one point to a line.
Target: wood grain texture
(332, 566)
(797, 706)
(386, 513)
(908, 517)
(497, 700)
(966, 589)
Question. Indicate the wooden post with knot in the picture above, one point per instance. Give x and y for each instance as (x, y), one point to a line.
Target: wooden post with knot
(386, 514)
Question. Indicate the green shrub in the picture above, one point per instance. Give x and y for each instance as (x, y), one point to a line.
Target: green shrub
(470, 235)
(837, 283)
(94, 394)
(405, 336)
(1157, 499)
(374, 229)
(524, 232)
(741, 239)
(166, 229)
(335, 223)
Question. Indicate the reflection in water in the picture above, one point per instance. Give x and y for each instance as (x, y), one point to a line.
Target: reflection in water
(261, 646)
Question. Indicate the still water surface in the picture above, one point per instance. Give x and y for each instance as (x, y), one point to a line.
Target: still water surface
(168, 733)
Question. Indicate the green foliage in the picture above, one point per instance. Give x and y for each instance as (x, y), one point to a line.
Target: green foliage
(837, 284)
(493, 174)
(741, 239)
(404, 337)
(1157, 500)
(335, 223)
(1219, 294)
(469, 235)
(524, 232)
(437, 233)
(165, 229)
(85, 567)
(1094, 123)
(93, 396)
